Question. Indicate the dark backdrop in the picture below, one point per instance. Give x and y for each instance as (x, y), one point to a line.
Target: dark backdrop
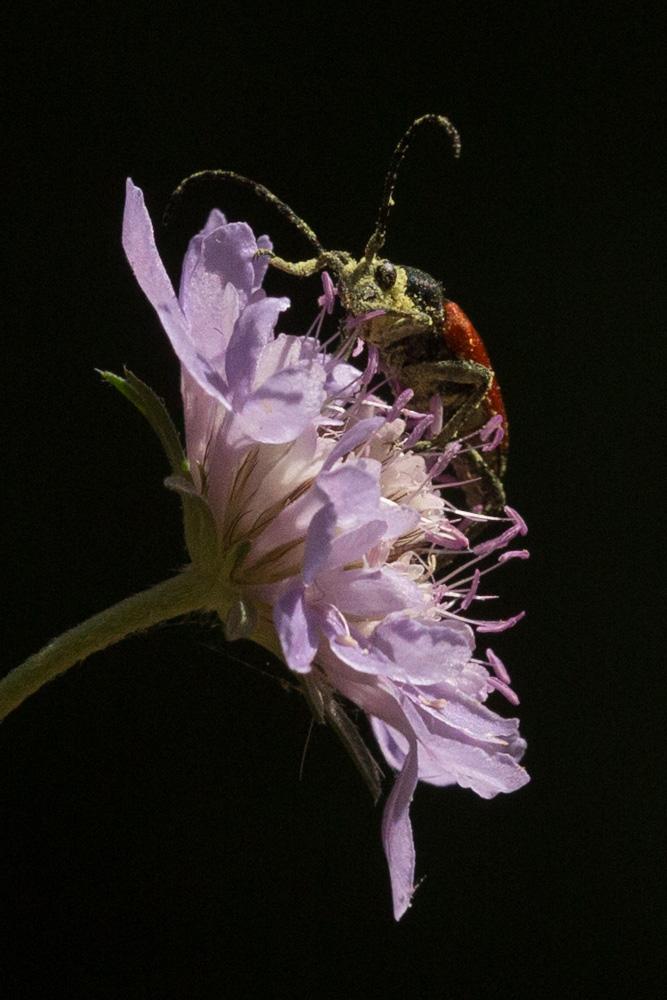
(158, 840)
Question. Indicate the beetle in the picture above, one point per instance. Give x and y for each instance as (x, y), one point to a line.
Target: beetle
(426, 342)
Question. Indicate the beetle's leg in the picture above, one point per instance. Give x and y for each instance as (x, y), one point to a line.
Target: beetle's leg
(326, 708)
(471, 380)
(352, 741)
(298, 268)
(445, 378)
(485, 489)
(333, 259)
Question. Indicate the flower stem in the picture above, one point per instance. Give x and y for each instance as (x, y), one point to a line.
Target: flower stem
(189, 591)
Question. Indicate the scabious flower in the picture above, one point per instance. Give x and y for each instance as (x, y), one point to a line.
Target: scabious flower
(333, 544)
(314, 528)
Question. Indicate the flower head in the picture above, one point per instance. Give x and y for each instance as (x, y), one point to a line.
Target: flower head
(335, 545)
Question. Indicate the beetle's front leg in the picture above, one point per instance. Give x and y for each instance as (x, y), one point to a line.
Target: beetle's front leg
(305, 268)
(297, 268)
(446, 378)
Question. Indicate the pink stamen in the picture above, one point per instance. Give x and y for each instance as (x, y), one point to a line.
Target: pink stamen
(399, 403)
(492, 433)
(499, 668)
(467, 515)
(516, 519)
(372, 364)
(502, 625)
(466, 580)
(440, 463)
(511, 695)
(499, 542)
(495, 441)
(472, 592)
(513, 554)
(436, 409)
(449, 452)
(417, 432)
(490, 427)
(328, 298)
(448, 537)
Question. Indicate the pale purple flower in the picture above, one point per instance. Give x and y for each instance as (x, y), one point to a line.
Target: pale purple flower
(336, 546)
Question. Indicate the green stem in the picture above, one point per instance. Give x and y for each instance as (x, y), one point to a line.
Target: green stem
(189, 591)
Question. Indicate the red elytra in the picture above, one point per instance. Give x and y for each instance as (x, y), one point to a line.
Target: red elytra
(463, 341)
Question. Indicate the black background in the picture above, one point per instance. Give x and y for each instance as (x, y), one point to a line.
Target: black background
(158, 840)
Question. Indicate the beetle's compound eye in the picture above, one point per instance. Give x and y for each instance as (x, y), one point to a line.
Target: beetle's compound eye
(385, 274)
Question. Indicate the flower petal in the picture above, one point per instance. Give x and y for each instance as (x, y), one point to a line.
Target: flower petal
(408, 650)
(297, 628)
(369, 593)
(284, 406)
(443, 760)
(212, 308)
(141, 252)
(342, 380)
(253, 331)
(286, 351)
(144, 259)
(397, 836)
(487, 774)
(230, 251)
(193, 252)
(353, 518)
(358, 434)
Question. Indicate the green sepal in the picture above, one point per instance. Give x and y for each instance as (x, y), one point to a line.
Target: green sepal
(153, 409)
(233, 558)
(241, 620)
(201, 537)
(199, 526)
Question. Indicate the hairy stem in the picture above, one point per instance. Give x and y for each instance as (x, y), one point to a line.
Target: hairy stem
(189, 591)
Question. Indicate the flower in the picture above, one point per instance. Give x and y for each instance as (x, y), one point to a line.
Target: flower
(335, 545)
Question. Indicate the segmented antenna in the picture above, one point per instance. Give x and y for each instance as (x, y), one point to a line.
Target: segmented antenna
(376, 242)
(258, 189)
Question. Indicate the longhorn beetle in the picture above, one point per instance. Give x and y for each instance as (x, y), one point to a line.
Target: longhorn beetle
(426, 342)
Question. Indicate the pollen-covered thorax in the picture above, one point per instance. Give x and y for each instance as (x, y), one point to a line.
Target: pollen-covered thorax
(402, 300)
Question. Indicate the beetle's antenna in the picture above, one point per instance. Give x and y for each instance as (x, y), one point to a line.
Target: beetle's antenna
(376, 242)
(259, 190)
